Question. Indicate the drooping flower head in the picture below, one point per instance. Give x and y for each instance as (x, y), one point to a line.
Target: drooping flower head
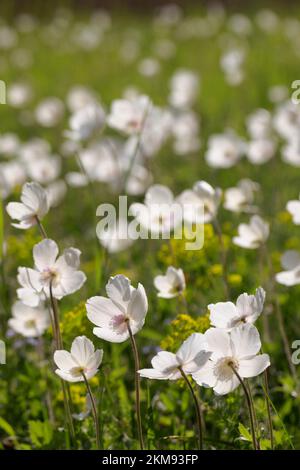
(34, 205)
(171, 284)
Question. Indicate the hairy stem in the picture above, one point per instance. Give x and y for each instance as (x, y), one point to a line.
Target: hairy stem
(197, 408)
(137, 386)
(94, 410)
(248, 399)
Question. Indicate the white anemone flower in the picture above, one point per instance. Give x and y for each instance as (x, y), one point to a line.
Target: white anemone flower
(184, 88)
(201, 203)
(125, 308)
(159, 214)
(83, 359)
(190, 358)
(240, 198)
(34, 206)
(224, 150)
(293, 207)
(129, 116)
(85, 122)
(60, 273)
(260, 151)
(237, 350)
(49, 112)
(27, 321)
(252, 235)
(246, 310)
(30, 292)
(171, 284)
(290, 262)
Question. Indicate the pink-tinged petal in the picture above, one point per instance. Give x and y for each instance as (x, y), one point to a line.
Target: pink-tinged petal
(206, 376)
(138, 305)
(64, 360)
(110, 335)
(101, 311)
(119, 291)
(224, 387)
(218, 342)
(245, 341)
(82, 349)
(17, 210)
(222, 314)
(253, 366)
(45, 254)
(153, 374)
(70, 282)
(164, 361)
(68, 377)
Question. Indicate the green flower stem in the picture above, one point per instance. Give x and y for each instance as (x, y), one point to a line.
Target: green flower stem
(197, 408)
(137, 386)
(94, 410)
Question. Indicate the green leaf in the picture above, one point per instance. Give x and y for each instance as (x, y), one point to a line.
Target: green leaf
(245, 433)
(6, 427)
(40, 433)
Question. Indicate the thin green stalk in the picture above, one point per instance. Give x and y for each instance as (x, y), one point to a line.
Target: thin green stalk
(94, 410)
(248, 399)
(137, 386)
(218, 231)
(59, 345)
(197, 408)
(267, 400)
(41, 227)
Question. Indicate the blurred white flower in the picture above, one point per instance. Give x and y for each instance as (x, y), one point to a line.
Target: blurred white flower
(34, 206)
(159, 213)
(44, 170)
(129, 116)
(252, 235)
(190, 357)
(58, 274)
(126, 307)
(79, 97)
(171, 284)
(232, 62)
(293, 207)
(85, 122)
(19, 94)
(83, 359)
(9, 144)
(185, 130)
(236, 350)
(149, 67)
(290, 261)
(240, 198)
(259, 124)
(115, 238)
(224, 150)
(201, 202)
(49, 112)
(56, 192)
(246, 310)
(184, 88)
(27, 321)
(260, 151)
(12, 174)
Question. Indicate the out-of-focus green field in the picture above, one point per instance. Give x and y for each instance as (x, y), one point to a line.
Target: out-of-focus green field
(57, 63)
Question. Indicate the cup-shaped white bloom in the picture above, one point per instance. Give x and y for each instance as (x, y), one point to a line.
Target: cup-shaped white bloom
(59, 272)
(293, 208)
(85, 122)
(240, 198)
(160, 213)
(27, 321)
(252, 235)
(128, 116)
(171, 284)
(290, 262)
(34, 204)
(237, 349)
(224, 151)
(125, 307)
(31, 291)
(83, 359)
(190, 357)
(246, 310)
(201, 203)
